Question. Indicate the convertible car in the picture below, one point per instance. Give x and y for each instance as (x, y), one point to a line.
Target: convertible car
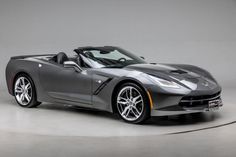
(112, 79)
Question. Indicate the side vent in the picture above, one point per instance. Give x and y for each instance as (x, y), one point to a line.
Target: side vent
(102, 86)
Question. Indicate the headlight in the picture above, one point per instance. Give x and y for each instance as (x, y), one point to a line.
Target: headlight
(165, 83)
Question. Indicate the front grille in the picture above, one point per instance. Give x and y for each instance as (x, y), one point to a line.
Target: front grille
(196, 101)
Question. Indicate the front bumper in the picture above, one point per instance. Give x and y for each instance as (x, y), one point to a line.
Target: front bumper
(191, 104)
(184, 111)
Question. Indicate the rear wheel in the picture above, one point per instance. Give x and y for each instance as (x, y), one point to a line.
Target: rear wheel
(24, 91)
(132, 104)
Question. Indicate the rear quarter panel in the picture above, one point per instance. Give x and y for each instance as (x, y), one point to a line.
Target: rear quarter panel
(16, 66)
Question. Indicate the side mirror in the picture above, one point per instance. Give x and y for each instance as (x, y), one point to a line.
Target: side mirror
(142, 57)
(71, 64)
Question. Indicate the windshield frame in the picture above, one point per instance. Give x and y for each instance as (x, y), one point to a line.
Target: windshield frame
(106, 49)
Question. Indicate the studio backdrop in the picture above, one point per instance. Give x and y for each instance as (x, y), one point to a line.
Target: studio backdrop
(201, 32)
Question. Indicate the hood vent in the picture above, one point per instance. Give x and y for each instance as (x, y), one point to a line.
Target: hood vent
(178, 71)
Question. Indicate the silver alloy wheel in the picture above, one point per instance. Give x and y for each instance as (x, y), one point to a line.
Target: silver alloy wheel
(23, 91)
(130, 103)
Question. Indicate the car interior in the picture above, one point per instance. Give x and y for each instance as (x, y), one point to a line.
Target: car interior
(84, 60)
(61, 57)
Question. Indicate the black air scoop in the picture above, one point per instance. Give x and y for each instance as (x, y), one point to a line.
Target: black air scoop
(178, 71)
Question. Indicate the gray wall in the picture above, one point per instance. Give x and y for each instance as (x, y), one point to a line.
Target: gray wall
(199, 32)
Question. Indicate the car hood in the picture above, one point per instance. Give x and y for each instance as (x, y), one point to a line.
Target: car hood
(183, 77)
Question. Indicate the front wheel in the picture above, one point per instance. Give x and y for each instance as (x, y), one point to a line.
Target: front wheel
(132, 104)
(24, 91)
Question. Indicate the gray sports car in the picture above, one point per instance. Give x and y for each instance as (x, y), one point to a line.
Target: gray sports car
(112, 79)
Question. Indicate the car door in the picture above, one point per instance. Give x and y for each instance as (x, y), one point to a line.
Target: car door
(66, 84)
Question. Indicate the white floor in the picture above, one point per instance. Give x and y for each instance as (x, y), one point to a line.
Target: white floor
(52, 130)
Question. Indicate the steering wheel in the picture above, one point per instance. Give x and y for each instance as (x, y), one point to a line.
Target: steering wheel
(121, 60)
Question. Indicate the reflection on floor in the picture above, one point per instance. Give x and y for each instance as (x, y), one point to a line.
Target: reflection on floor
(53, 130)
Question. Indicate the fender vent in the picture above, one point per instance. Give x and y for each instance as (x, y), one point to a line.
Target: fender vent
(102, 86)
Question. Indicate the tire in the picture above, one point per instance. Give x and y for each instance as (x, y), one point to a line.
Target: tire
(132, 108)
(24, 91)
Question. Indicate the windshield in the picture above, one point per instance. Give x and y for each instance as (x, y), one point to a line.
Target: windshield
(109, 58)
